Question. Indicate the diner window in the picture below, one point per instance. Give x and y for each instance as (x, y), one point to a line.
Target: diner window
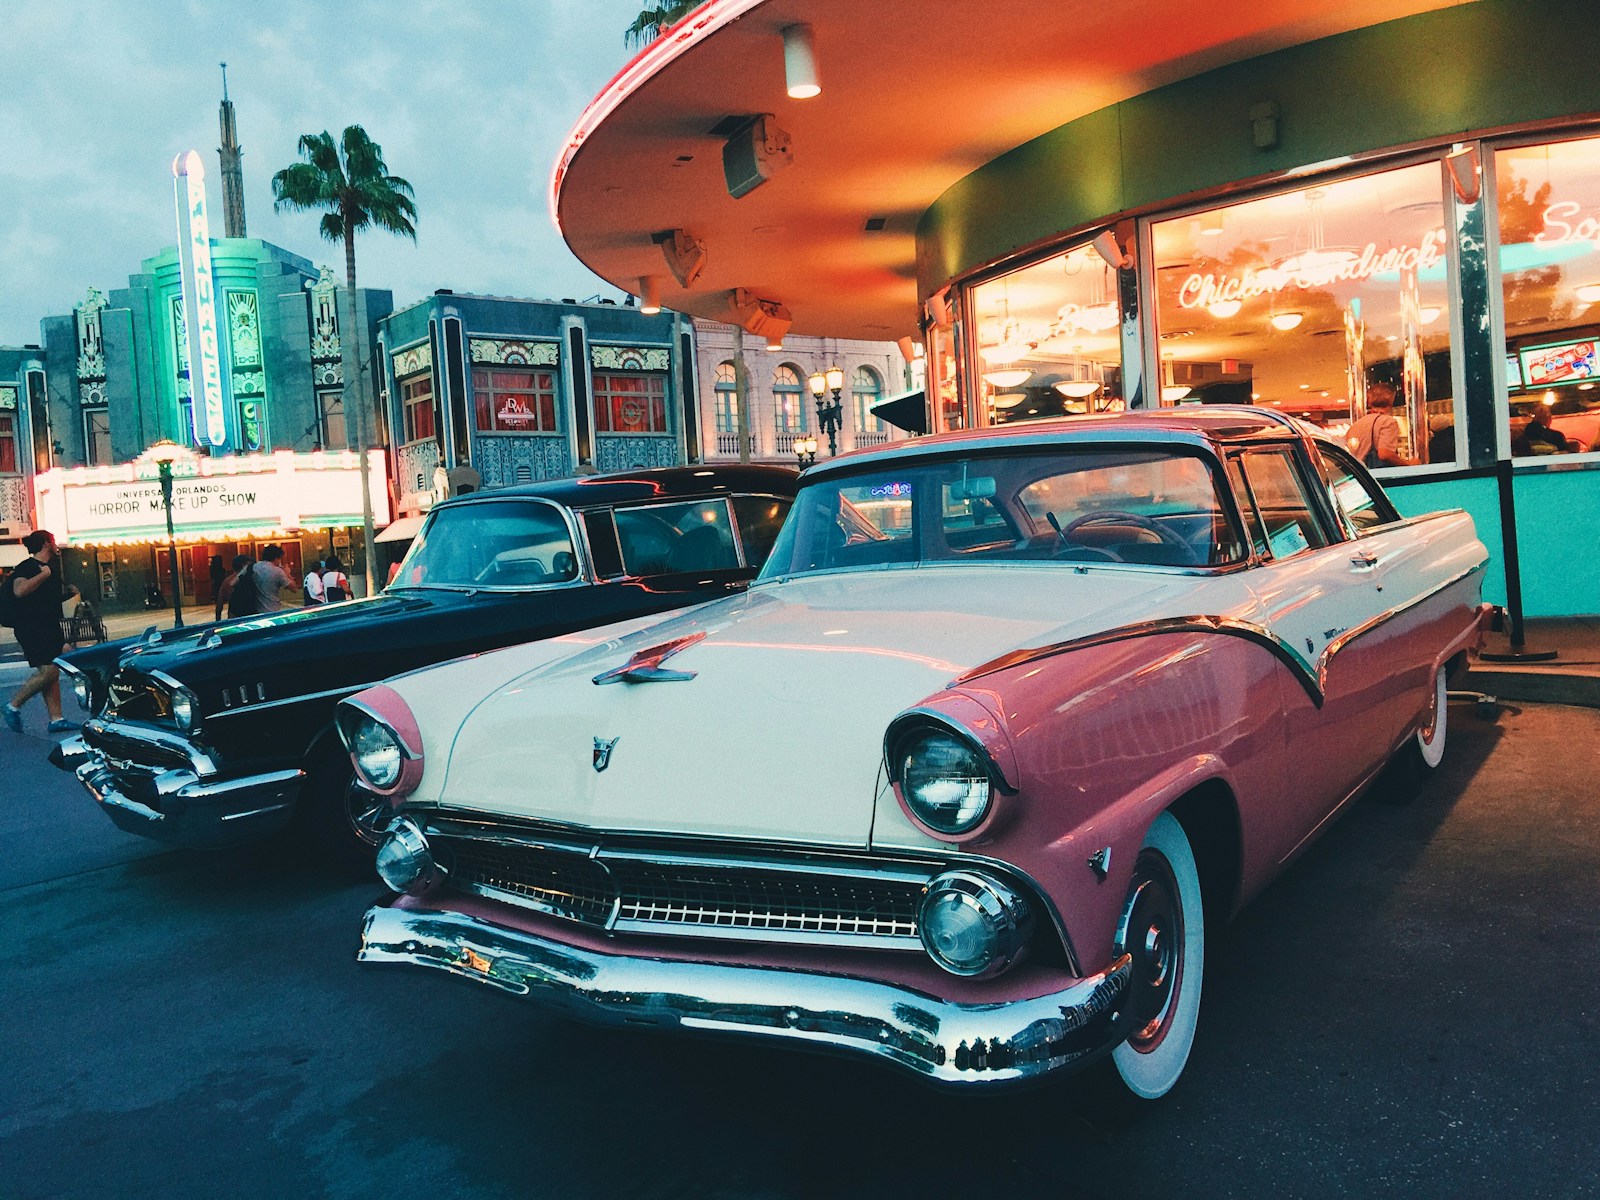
(630, 402)
(517, 400)
(1049, 339)
(1300, 300)
(1280, 501)
(416, 397)
(1549, 208)
(8, 444)
(330, 419)
(788, 401)
(866, 389)
(96, 437)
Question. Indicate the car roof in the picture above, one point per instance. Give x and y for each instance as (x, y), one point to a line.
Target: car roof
(1192, 425)
(653, 483)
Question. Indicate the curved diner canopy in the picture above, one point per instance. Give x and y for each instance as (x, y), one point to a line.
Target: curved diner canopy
(915, 97)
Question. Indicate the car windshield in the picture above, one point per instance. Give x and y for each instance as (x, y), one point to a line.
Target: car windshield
(1158, 507)
(490, 544)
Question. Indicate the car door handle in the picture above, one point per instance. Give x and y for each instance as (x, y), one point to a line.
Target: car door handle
(1363, 560)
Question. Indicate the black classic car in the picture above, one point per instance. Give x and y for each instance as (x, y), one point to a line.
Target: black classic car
(224, 733)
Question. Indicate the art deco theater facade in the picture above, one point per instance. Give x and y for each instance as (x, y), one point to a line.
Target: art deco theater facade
(1083, 207)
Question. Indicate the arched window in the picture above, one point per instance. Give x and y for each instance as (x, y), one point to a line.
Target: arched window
(726, 399)
(788, 400)
(866, 389)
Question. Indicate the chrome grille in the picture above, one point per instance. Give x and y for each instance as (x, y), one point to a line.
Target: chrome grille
(629, 893)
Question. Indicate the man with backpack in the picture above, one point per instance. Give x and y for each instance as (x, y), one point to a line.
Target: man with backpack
(31, 605)
(238, 591)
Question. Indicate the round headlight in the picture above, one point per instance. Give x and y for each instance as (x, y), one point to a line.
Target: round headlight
(974, 926)
(945, 781)
(404, 862)
(80, 689)
(183, 709)
(375, 749)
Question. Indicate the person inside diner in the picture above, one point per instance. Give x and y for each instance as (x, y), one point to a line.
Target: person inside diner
(1537, 437)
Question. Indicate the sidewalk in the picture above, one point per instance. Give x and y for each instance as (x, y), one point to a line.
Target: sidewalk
(1572, 677)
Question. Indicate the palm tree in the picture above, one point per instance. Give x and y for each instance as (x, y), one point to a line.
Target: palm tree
(351, 184)
(661, 16)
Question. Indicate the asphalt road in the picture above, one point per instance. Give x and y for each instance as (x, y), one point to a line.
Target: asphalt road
(1410, 1011)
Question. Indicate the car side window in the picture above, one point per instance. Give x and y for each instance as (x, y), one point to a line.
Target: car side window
(759, 519)
(1290, 524)
(666, 539)
(1358, 506)
(1247, 507)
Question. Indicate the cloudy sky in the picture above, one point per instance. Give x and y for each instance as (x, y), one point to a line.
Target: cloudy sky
(469, 101)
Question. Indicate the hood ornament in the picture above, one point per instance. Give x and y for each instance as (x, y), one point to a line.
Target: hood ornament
(645, 665)
(602, 752)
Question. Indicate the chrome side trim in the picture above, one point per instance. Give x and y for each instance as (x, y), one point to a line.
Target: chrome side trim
(947, 1041)
(1304, 672)
(1313, 677)
(241, 710)
(1388, 614)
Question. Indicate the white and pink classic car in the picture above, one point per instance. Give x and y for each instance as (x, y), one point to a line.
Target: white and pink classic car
(1009, 719)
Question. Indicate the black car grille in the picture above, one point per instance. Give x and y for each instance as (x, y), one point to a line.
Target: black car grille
(137, 752)
(632, 894)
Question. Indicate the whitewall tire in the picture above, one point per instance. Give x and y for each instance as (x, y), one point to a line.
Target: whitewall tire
(1431, 736)
(1163, 928)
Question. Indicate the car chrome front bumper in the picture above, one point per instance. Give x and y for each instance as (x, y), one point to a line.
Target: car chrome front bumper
(942, 1040)
(178, 805)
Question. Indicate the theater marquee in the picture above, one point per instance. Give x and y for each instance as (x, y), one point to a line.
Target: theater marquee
(233, 498)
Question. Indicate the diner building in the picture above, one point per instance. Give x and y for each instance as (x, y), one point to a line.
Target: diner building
(1287, 204)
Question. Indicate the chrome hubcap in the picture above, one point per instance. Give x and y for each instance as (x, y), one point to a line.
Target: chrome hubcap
(1154, 939)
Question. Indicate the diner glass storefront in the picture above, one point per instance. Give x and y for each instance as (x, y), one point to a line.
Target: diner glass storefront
(1304, 298)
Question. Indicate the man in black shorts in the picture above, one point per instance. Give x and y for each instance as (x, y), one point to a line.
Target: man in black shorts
(37, 585)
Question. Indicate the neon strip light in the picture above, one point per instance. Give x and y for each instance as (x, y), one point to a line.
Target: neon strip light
(199, 300)
(693, 29)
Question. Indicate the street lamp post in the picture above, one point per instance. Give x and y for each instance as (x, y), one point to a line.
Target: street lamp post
(805, 450)
(829, 416)
(161, 457)
(164, 470)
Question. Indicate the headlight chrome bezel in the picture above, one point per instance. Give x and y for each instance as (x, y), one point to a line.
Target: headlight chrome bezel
(357, 723)
(404, 860)
(915, 729)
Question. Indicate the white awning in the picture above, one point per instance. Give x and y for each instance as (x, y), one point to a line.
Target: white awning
(401, 530)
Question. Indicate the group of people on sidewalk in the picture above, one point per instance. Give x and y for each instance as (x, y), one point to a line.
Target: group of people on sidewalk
(252, 587)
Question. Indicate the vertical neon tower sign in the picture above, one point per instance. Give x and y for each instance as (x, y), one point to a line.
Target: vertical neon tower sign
(199, 301)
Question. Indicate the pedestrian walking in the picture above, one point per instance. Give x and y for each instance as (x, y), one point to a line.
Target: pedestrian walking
(37, 593)
(311, 586)
(271, 578)
(238, 590)
(335, 585)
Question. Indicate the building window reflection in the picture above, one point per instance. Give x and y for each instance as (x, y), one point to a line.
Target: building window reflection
(1048, 339)
(1548, 197)
(416, 396)
(1302, 299)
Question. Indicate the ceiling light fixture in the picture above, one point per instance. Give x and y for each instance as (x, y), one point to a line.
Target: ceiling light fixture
(1008, 378)
(1429, 313)
(1286, 320)
(1225, 308)
(1176, 392)
(800, 63)
(1589, 293)
(1079, 388)
(649, 294)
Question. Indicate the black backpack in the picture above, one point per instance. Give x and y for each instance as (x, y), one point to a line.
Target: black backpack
(8, 601)
(245, 600)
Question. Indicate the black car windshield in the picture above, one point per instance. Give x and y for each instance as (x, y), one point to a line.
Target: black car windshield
(1152, 506)
(490, 544)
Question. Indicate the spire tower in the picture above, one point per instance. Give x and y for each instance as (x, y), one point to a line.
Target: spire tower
(230, 152)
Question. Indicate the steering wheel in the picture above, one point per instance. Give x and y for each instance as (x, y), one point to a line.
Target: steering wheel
(1121, 517)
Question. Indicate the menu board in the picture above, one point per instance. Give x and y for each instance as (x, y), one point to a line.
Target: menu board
(1568, 362)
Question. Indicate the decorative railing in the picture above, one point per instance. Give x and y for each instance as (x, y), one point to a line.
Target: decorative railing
(865, 439)
(784, 439)
(728, 443)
